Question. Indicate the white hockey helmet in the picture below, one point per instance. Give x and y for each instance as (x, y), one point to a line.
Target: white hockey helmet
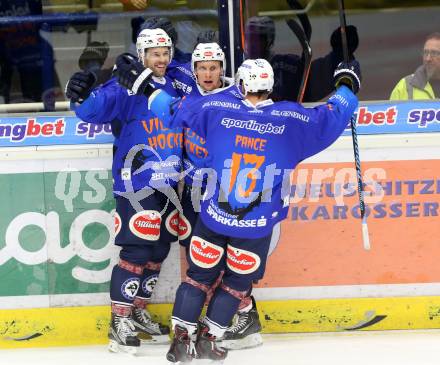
(208, 52)
(254, 76)
(152, 38)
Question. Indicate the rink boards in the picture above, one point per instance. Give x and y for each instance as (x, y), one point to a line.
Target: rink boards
(56, 250)
(74, 326)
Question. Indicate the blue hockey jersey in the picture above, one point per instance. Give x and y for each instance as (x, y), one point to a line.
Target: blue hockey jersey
(182, 76)
(194, 152)
(253, 150)
(146, 153)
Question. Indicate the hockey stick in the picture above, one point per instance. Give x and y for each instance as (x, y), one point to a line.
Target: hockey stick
(307, 52)
(365, 235)
(303, 18)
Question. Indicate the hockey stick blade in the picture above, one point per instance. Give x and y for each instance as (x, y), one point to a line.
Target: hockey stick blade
(365, 234)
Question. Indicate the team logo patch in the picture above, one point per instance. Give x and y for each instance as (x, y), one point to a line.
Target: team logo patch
(149, 284)
(118, 223)
(184, 227)
(172, 222)
(242, 261)
(178, 225)
(146, 224)
(130, 288)
(203, 253)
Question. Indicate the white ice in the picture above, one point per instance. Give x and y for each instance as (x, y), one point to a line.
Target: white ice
(348, 348)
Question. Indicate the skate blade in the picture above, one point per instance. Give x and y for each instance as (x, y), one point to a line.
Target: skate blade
(113, 346)
(248, 342)
(154, 340)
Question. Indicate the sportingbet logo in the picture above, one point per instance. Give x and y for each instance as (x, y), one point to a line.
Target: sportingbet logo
(90, 130)
(252, 125)
(264, 76)
(208, 54)
(203, 253)
(367, 117)
(19, 132)
(423, 117)
(161, 40)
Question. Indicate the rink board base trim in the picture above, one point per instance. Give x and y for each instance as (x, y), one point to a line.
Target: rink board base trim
(74, 326)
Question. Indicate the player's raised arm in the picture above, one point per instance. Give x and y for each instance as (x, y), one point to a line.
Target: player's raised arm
(99, 105)
(328, 121)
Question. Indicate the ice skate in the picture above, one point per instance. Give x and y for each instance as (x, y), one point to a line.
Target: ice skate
(207, 346)
(245, 333)
(149, 331)
(122, 335)
(181, 346)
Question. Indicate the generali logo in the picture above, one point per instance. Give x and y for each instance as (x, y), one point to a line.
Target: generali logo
(146, 224)
(203, 253)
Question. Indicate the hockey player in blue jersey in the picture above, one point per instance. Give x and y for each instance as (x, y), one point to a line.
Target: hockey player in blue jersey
(146, 168)
(253, 145)
(208, 65)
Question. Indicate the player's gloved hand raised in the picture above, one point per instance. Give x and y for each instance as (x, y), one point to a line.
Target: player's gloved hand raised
(132, 74)
(79, 86)
(352, 41)
(348, 74)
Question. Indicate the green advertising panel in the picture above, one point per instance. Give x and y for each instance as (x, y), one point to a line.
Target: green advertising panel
(56, 233)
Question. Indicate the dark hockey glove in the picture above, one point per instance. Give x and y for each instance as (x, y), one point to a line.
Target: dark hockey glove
(132, 74)
(352, 41)
(348, 74)
(79, 86)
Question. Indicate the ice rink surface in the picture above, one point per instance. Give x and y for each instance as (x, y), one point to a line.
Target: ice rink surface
(347, 348)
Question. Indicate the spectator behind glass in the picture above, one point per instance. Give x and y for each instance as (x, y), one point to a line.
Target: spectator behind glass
(424, 83)
(288, 68)
(23, 50)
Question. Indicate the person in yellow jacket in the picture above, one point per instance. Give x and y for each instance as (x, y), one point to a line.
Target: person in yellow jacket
(424, 83)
